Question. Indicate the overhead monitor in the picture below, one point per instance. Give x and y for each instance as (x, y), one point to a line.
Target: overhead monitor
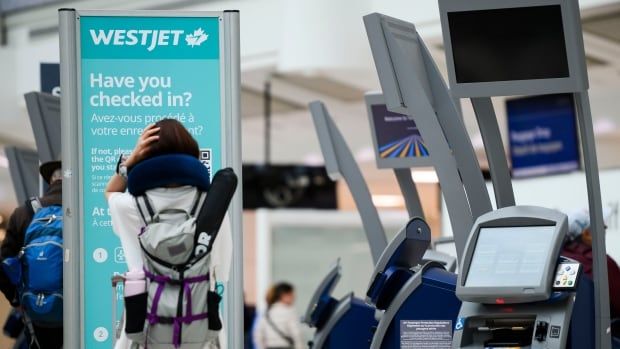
(543, 135)
(511, 256)
(24, 171)
(397, 142)
(504, 47)
(44, 113)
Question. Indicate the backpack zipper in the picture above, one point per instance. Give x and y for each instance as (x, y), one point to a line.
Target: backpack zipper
(41, 244)
(41, 297)
(49, 219)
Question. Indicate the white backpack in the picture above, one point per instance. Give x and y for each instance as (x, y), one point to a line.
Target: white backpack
(176, 265)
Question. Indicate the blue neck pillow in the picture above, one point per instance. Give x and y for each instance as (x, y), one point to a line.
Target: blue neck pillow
(165, 170)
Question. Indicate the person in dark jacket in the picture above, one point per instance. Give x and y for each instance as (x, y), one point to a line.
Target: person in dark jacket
(579, 247)
(48, 338)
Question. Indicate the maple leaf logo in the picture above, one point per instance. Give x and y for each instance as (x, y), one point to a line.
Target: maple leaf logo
(196, 38)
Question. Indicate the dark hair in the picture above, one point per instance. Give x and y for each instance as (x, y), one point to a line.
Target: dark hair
(173, 139)
(276, 292)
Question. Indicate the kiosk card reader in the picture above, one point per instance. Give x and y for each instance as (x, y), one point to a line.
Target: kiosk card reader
(516, 289)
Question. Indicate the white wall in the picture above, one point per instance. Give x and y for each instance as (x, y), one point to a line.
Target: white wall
(566, 193)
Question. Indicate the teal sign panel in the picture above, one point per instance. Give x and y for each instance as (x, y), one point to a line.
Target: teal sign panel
(134, 72)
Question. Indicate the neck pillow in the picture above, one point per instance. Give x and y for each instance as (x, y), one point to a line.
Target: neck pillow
(165, 170)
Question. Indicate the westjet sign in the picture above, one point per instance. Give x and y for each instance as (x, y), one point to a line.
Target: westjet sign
(150, 38)
(146, 37)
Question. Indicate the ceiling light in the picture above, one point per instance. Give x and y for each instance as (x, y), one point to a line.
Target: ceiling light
(388, 201)
(604, 125)
(424, 176)
(365, 154)
(313, 159)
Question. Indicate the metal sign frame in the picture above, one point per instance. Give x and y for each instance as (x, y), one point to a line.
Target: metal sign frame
(71, 114)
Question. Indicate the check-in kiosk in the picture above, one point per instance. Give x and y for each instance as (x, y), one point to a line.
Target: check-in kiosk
(493, 48)
(398, 145)
(418, 300)
(516, 289)
(525, 48)
(420, 305)
(336, 320)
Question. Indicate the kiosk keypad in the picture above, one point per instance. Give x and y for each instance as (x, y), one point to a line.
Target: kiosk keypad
(566, 276)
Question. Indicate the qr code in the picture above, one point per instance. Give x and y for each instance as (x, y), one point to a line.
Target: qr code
(205, 158)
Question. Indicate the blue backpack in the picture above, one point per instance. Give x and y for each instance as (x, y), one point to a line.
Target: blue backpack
(37, 269)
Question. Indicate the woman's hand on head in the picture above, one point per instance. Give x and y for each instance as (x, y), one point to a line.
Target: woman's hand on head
(149, 135)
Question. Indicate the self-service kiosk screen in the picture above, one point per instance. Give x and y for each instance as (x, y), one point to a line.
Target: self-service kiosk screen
(506, 44)
(510, 256)
(397, 135)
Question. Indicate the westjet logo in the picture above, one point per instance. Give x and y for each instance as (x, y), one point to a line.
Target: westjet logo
(146, 37)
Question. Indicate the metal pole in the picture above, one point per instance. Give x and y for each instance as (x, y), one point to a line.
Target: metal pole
(3, 31)
(494, 148)
(267, 110)
(233, 110)
(335, 148)
(597, 226)
(72, 285)
(410, 192)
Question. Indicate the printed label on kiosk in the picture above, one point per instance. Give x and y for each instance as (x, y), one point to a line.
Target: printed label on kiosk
(134, 72)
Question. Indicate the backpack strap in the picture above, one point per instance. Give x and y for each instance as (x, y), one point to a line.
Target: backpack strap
(197, 201)
(213, 209)
(144, 207)
(34, 204)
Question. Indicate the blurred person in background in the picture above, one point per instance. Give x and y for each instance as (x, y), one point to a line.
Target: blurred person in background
(578, 246)
(279, 327)
(249, 314)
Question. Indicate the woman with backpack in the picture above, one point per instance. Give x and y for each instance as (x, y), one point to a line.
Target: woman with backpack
(158, 200)
(279, 327)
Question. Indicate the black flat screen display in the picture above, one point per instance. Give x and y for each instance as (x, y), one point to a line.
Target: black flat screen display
(521, 43)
